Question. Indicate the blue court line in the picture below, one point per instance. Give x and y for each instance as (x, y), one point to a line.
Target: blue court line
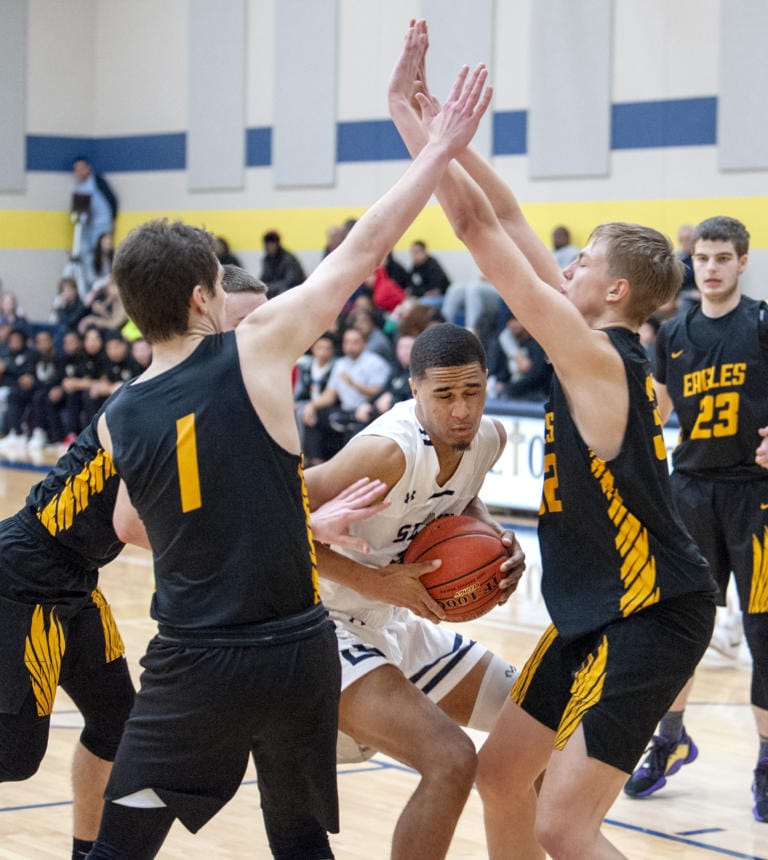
(377, 764)
(27, 467)
(671, 837)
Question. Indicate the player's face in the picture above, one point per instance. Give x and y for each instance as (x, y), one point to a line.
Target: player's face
(237, 306)
(450, 402)
(717, 267)
(586, 281)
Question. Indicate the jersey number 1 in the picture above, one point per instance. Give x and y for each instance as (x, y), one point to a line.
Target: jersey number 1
(186, 458)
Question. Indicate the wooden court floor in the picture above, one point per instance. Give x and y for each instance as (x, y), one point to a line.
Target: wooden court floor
(705, 811)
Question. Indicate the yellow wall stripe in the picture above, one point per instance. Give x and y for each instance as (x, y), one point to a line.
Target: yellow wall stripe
(243, 228)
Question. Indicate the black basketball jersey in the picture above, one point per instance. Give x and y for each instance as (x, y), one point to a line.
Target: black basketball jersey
(611, 540)
(75, 501)
(719, 389)
(223, 504)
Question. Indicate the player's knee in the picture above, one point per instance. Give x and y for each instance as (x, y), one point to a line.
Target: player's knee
(552, 836)
(22, 748)
(19, 762)
(454, 763)
(488, 782)
(105, 709)
(304, 841)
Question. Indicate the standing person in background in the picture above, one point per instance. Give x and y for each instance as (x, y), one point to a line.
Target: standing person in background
(280, 269)
(625, 586)
(712, 370)
(562, 249)
(94, 204)
(245, 660)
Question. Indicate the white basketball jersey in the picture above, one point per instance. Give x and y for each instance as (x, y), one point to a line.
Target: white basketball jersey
(415, 500)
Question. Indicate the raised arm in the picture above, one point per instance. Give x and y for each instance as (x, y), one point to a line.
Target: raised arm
(292, 322)
(587, 366)
(409, 79)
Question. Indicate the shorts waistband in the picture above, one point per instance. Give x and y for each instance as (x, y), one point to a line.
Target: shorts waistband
(287, 629)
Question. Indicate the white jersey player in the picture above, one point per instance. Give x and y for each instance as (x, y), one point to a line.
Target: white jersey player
(408, 683)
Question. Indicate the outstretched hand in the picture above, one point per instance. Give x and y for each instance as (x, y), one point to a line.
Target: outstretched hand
(409, 75)
(331, 521)
(456, 122)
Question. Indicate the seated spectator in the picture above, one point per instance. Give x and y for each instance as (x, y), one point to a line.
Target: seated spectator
(280, 269)
(46, 364)
(398, 385)
(375, 338)
(518, 366)
(312, 373)
(396, 270)
(412, 317)
(118, 368)
(427, 280)
(91, 368)
(334, 236)
(689, 294)
(562, 249)
(17, 374)
(35, 374)
(105, 309)
(11, 316)
(64, 410)
(141, 353)
(478, 303)
(222, 251)
(68, 308)
(356, 376)
(387, 294)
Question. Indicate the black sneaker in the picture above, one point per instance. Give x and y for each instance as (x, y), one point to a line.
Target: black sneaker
(760, 791)
(664, 759)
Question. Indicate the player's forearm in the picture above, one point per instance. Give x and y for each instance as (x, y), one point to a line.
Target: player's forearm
(335, 567)
(511, 216)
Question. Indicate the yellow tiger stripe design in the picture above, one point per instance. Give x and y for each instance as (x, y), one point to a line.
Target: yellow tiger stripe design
(113, 642)
(60, 512)
(758, 594)
(520, 687)
(308, 519)
(638, 565)
(43, 653)
(586, 690)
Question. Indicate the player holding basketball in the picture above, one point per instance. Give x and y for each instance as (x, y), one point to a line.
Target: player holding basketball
(624, 584)
(408, 683)
(245, 660)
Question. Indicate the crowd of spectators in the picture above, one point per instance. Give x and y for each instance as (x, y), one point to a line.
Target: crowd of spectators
(52, 381)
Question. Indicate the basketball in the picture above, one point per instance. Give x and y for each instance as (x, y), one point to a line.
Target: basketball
(466, 584)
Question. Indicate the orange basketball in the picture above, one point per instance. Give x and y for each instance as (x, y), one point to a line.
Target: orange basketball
(466, 584)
